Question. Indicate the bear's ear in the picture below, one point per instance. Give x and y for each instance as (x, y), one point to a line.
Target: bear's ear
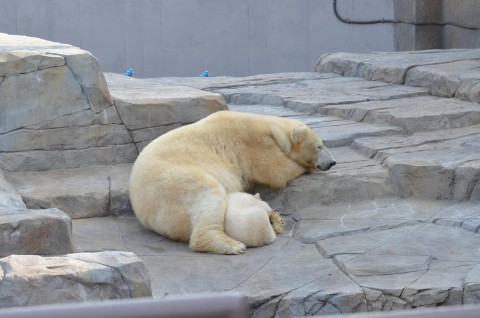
(299, 133)
(257, 196)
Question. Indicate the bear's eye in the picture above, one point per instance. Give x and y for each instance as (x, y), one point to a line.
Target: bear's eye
(319, 147)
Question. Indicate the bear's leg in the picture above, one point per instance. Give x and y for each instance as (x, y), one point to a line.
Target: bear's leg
(208, 221)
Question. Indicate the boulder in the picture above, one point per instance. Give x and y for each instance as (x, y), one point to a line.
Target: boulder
(149, 109)
(119, 176)
(55, 98)
(44, 232)
(34, 280)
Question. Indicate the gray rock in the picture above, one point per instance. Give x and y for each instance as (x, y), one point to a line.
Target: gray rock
(438, 165)
(21, 62)
(88, 232)
(53, 91)
(78, 119)
(437, 286)
(412, 115)
(144, 105)
(89, 75)
(140, 113)
(219, 82)
(347, 181)
(310, 95)
(469, 90)
(446, 79)
(9, 196)
(82, 192)
(386, 66)
(71, 278)
(119, 177)
(65, 105)
(143, 137)
(64, 138)
(41, 160)
(472, 286)
(44, 232)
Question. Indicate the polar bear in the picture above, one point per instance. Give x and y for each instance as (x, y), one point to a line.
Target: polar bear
(250, 220)
(180, 181)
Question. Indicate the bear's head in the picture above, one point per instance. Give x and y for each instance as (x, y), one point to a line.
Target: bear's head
(309, 151)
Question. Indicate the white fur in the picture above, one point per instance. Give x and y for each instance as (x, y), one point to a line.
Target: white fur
(247, 220)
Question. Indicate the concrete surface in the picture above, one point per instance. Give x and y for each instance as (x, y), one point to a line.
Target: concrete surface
(185, 38)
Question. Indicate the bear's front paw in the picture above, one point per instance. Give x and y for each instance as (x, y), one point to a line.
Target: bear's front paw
(276, 221)
(240, 249)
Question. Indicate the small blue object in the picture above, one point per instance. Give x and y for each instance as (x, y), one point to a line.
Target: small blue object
(204, 74)
(129, 72)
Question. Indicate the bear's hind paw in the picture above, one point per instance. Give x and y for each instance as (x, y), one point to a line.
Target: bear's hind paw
(276, 221)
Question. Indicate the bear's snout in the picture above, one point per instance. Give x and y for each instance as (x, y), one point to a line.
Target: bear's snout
(327, 166)
(325, 160)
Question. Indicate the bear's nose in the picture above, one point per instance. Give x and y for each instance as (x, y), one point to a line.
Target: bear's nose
(332, 163)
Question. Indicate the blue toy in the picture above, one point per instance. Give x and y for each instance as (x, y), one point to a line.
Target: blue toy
(129, 72)
(204, 74)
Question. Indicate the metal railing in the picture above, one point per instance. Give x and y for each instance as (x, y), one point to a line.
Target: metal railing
(226, 305)
(199, 306)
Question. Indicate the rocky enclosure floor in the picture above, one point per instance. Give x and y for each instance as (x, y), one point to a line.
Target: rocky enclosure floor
(395, 224)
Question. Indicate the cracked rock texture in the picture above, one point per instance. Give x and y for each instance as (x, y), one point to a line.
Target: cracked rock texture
(394, 225)
(59, 113)
(29, 280)
(43, 232)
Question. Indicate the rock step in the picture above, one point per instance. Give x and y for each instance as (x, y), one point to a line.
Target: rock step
(148, 108)
(355, 177)
(71, 278)
(334, 131)
(410, 161)
(413, 114)
(103, 190)
(350, 180)
(438, 164)
(80, 193)
(444, 73)
(353, 256)
(311, 94)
